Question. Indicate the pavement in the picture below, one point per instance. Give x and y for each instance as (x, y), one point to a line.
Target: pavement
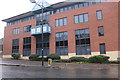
(27, 63)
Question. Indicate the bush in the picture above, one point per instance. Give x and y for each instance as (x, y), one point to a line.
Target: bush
(53, 56)
(98, 59)
(15, 55)
(34, 57)
(113, 62)
(40, 59)
(78, 59)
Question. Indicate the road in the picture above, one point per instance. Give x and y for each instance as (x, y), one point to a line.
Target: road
(69, 71)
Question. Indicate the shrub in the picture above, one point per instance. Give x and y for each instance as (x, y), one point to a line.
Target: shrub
(78, 59)
(15, 55)
(34, 57)
(40, 59)
(53, 56)
(98, 59)
(113, 62)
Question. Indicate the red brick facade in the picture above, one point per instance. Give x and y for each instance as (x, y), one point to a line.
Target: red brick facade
(109, 21)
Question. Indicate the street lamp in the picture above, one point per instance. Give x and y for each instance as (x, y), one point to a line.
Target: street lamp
(41, 6)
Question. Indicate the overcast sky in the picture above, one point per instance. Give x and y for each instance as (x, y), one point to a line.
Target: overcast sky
(11, 8)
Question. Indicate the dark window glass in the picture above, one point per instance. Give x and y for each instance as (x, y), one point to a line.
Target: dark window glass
(102, 49)
(15, 46)
(26, 46)
(83, 42)
(27, 28)
(62, 43)
(101, 31)
(99, 15)
(45, 45)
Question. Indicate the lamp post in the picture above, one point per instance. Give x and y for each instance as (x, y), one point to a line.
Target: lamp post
(41, 6)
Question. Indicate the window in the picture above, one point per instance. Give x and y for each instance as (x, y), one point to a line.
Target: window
(76, 19)
(76, 6)
(99, 15)
(86, 4)
(61, 22)
(15, 46)
(62, 43)
(81, 5)
(101, 31)
(61, 10)
(57, 22)
(16, 31)
(45, 44)
(83, 42)
(26, 46)
(85, 17)
(27, 28)
(81, 18)
(102, 48)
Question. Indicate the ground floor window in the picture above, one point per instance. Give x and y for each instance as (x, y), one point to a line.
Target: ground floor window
(26, 46)
(102, 48)
(15, 46)
(45, 44)
(62, 43)
(82, 42)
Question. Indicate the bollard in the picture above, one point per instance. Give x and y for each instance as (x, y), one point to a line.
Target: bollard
(49, 62)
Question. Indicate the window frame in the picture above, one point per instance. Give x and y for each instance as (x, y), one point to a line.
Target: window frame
(102, 31)
(102, 48)
(101, 14)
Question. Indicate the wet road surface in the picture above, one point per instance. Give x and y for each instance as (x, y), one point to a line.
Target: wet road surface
(69, 71)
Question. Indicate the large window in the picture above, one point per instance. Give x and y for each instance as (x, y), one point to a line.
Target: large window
(45, 44)
(16, 31)
(83, 42)
(62, 43)
(102, 48)
(26, 46)
(99, 15)
(101, 31)
(81, 18)
(27, 28)
(15, 46)
(61, 22)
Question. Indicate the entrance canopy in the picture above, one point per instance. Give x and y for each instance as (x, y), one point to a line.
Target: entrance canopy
(42, 3)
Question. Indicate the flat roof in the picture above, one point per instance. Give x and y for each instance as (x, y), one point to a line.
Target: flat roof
(30, 13)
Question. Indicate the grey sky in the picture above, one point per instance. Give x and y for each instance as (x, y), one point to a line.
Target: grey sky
(11, 8)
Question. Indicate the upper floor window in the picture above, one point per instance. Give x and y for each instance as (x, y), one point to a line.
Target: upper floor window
(27, 28)
(81, 18)
(16, 31)
(101, 31)
(61, 22)
(99, 15)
